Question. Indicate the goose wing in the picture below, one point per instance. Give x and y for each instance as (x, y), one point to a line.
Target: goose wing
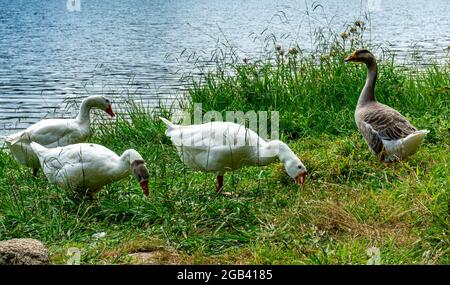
(50, 133)
(212, 135)
(380, 123)
(388, 123)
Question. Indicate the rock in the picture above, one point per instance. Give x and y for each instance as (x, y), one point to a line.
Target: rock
(23, 252)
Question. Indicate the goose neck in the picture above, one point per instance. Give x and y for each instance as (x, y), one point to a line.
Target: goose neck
(84, 113)
(368, 92)
(122, 168)
(276, 149)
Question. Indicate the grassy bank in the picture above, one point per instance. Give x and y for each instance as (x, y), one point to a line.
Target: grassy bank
(350, 202)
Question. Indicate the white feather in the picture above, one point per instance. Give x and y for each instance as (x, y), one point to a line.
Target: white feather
(83, 166)
(402, 148)
(223, 146)
(53, 133)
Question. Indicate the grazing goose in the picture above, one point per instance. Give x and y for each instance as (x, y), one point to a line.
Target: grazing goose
(88, 167)
(223, 146)
(390, 136)
(55, 132)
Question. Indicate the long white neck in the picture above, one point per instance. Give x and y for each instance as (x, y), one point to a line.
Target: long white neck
(123, 166)
(275, 149)
(84, 113)
(368, 92)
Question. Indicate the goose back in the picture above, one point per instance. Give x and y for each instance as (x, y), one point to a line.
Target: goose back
(378, 123)
(81, 166)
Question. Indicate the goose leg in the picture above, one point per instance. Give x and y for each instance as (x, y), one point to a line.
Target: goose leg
(90, 196)
(219, 183)
(35, 171)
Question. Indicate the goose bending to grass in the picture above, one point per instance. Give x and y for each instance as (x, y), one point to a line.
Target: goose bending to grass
(55, 132)
(390, 136)
(88, 167)
(219, 147)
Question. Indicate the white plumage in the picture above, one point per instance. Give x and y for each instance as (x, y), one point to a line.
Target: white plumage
(88, 167)
(55, 132)
(219, 147)
(398, 149)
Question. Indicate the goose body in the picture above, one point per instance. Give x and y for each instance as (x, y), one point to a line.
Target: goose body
(88, 167)
(389, 135)
(220, 147)
(55, 132)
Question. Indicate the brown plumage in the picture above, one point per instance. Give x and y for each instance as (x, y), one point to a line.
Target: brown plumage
(389, 135)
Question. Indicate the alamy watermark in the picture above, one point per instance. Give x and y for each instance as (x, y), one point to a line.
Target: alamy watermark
(264, 123)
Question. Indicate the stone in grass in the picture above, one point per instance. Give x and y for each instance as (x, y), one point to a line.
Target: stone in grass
(23, 252)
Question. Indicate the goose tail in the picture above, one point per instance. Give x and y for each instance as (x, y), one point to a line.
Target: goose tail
(14, 138)
(168, 123)
(171, 127)
(412, 142)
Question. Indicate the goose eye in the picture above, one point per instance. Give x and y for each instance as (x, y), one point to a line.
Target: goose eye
(300, 167)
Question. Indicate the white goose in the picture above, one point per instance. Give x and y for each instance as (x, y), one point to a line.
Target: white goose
(390, 136)
(55, 132)
(88, 167)
(223, 146)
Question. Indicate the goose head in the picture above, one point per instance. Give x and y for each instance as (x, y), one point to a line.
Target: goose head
(296, 170)
(292, 164)
(102, 103)
(140, 171)
(138, 168)
(361, 55)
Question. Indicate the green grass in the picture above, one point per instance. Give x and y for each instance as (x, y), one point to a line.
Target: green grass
(316, 96)
(350, 202)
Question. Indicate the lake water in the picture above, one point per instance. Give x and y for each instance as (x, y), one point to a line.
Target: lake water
(48, 54)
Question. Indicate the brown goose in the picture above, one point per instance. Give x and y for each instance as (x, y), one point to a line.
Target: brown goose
(390, 136)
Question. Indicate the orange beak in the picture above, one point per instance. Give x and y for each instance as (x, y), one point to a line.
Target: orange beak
(110, 111)
(351, 57)
(144, 186)
(300, 179)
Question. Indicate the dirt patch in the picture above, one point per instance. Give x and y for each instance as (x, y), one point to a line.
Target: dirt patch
(138, 250)
(156, 257)
(334, 218)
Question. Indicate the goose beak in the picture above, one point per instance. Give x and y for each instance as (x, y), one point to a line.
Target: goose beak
(144, 186)
(351, 57)
(110, 111)
(300, 179)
